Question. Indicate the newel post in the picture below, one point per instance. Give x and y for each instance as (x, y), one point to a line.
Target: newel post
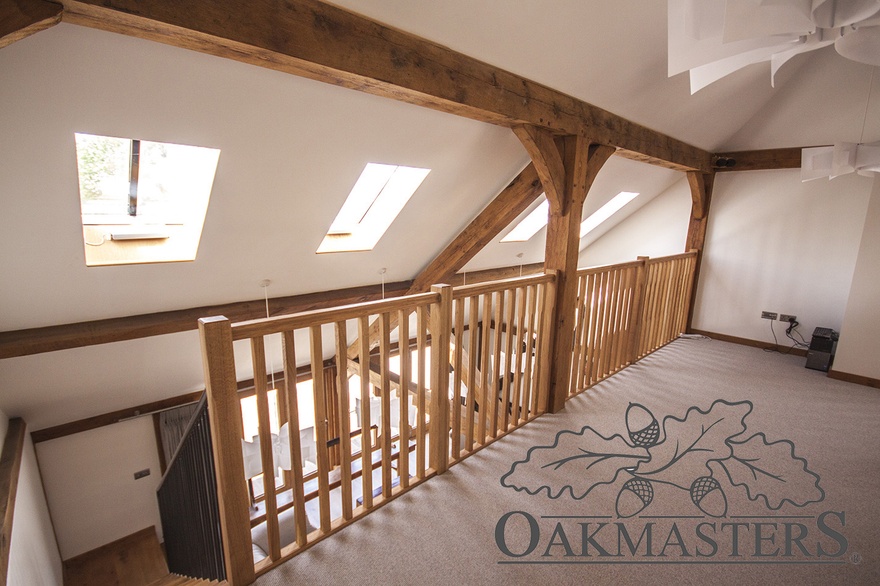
(441, 326)
(225, 416)
(635, 342)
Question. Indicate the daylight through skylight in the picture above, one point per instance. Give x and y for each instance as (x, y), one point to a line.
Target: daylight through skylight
(606, 211)
(538, 218)
(530, 224)
(377, 197)
(142, 201)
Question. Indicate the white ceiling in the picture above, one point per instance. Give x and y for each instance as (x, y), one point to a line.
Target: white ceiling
(292, 148)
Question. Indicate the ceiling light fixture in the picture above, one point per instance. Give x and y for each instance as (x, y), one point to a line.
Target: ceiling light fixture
(843, 157)
(714, 38)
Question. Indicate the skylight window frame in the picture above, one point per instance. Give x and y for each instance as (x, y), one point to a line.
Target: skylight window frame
(374, 202)
(169, 229)
(526, 228)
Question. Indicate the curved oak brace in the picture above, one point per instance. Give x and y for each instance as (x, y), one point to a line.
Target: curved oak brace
(546, 157)
(22, 18)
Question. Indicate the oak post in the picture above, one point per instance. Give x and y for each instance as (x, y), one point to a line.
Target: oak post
(224, 411)
(441, 325)
(701, 185)
(567, 167)
(636, 311)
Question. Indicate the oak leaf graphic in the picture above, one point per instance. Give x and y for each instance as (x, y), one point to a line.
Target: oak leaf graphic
(771, 471)
(690, 443)
(576, 463)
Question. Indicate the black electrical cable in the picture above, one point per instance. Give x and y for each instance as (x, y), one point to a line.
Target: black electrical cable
(792, 325)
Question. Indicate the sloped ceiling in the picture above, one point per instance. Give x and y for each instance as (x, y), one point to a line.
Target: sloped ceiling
(292, 148)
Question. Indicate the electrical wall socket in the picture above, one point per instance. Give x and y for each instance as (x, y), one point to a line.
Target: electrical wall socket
(787, 318)
(768, 315)
(141, 473)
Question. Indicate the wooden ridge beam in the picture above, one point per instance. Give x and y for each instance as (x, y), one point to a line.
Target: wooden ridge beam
(760, 160)
(326, 43)
(76, 335)
(22, 18)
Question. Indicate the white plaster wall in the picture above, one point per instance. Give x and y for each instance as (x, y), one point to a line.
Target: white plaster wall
(33, 553)
(659, 228)
(858, 349)
(89, 479)
(776, 244)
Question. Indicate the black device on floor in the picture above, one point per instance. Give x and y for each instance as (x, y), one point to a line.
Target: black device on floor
(822, 346)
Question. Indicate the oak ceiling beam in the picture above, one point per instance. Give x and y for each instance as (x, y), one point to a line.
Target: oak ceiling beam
(326, 43)
(22, 18)
(760, 160)
(76, 335)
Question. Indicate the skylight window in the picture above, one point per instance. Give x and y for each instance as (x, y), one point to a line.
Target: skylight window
(538, 218)
(530, 225)
(606, 211)
(142, 201)
(374, 202)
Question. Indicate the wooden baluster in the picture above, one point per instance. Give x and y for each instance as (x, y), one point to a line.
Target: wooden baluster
(385, 371)
(292, 403)
(530, 386)
(363, 344)
(506, 395)
(323, 454)
(457, 379)
(258, 356)
(421, 344)
(404, 394)
(520, 405)
(474, 309)
(579, 346)
(344, 417)
(592, 297)
(495, 374)
(484, 369)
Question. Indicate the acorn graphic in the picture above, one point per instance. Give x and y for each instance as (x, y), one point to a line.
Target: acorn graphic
(644, 431)
(708, 496)
(634, 496)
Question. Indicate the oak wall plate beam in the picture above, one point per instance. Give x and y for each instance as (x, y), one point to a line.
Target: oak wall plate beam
(22, 18)
(326, 43)
(76, 335)
(760, 160)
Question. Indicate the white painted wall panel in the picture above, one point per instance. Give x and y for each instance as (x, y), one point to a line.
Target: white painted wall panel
(776, 244)
(89, 479)
(859, 346)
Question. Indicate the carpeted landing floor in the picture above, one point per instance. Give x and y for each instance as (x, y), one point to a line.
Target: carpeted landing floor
(706, 463)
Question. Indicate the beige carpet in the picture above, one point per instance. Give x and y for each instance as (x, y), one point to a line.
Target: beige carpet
(785, 454)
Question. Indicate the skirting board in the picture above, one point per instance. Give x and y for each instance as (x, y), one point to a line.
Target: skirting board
(747, 342)
(854, 378)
